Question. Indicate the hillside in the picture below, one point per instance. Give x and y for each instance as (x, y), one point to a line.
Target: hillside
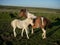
(32, 9)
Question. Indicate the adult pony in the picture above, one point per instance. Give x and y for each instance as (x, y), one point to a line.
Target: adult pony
(39, 22)
(21, 24)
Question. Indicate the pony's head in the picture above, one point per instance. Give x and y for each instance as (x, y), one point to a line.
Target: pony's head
(26, 14)
(22, 13)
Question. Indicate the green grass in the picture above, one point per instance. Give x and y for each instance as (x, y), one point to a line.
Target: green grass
(6, 32)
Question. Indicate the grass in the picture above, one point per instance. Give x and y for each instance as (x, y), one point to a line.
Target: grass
(6, 32)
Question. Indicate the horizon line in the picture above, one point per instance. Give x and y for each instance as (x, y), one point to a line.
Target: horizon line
(29, 6)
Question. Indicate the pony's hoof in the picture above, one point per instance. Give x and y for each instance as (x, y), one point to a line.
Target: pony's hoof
(44, 37)
(21, 35)
(27, 37)
(14, 36)
(31, 32)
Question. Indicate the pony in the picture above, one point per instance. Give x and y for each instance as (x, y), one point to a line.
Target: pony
(21, 24)
(39, 22)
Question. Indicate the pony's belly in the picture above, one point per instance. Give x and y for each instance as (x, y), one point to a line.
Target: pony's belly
(20, 26)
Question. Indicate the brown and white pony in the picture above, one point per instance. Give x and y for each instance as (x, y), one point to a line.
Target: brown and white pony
(39, 22)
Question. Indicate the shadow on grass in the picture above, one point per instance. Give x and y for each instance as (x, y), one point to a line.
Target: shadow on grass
(52, 32)
(57, 23)
(36, 33)
(1, 40)
(12, 15)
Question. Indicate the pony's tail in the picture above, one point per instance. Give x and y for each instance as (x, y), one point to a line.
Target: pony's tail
(48, 22)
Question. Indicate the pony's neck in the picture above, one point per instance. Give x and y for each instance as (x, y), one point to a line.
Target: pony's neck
(28, 15)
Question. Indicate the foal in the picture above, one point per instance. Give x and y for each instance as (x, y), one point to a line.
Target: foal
(39, 22)
(21, 24)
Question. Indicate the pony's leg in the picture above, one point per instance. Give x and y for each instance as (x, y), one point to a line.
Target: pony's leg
(33, 27)
(14, 32)
(27, 33)
(32, 31)
(44, 33)
(22, 32)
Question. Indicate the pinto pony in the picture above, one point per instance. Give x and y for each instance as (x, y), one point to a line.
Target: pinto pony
(21, 24)
(39, 22)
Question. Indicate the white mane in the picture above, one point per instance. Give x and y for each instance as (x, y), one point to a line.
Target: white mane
(30, 15)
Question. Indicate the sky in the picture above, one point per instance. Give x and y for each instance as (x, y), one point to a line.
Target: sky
(55, 4)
